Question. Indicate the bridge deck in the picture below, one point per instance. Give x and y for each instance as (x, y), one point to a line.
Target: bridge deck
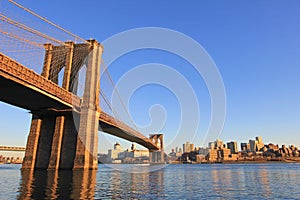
(117, 128)
(7, 148)
(27, 89)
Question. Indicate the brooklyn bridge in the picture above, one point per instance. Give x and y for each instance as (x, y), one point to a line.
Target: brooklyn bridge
(64, 126)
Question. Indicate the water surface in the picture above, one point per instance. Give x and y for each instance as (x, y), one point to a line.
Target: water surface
(219, 181)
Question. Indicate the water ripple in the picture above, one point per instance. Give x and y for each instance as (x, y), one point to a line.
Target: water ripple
(249, 181)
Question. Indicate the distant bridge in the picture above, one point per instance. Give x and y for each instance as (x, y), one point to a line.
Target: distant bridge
(8, 148)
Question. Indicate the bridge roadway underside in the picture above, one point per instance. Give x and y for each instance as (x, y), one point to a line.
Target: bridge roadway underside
(31, 98)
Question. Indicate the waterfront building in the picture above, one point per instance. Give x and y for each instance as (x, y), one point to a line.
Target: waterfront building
(260, 143)
(180, 150)
(192, 147)
(131, 155)
(224, 153)
(140, 153)
(273, 146)
(124, 154)
(10, 160)
(114, 153)
(218, 144)
(233, 147)
(200, 158)
(211, 145)
(203, 151)
(173, 153)
(179, 154)
(245, 147)
(212, 155)
(217, 151)
(256, 145)
(186, 147)
(253, 145)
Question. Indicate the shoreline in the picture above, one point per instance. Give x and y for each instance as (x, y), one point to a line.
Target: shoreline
(275, 161)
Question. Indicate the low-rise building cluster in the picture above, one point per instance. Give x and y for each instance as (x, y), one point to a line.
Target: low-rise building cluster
(117, 155)
(10, 160)
(218, 151)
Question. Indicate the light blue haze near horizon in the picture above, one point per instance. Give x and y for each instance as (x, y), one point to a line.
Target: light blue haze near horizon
(255, 45)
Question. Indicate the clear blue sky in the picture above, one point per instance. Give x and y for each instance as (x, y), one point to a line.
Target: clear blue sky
(255, 45)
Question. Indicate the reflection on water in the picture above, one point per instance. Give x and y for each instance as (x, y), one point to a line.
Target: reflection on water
(250, 181)
(52, 184)
(126, 184)
(238, 181)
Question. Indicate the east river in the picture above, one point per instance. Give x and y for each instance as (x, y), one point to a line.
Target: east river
(188, 181)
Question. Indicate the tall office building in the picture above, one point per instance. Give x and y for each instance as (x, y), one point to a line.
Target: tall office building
(256, 145)
(113, 153)
(192, 147)
(233, 147)
(211, 145)
(253, 145)
(260, 143)
(218, 144)
(186, 147)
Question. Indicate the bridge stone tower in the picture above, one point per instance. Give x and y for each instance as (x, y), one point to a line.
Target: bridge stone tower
(158, 155)
(62, 139)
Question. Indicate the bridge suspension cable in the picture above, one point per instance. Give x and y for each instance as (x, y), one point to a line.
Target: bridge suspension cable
(108, 103)
(30, 30)
(23, 34)
(14, 36)
(118, 94)
(47, 21)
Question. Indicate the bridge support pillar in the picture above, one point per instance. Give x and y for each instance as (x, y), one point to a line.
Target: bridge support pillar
(47, 60)
(69, 140)
(32, 143)
(157, 156)
(60, 120)
(87, 140)
(53, 141)
(56, 143)
(68, 66)
(45, 142)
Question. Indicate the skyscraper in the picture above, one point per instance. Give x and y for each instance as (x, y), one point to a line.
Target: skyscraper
(186, 147)
(192, 147)
(233, 147)
(260, 143)
(256, 145)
